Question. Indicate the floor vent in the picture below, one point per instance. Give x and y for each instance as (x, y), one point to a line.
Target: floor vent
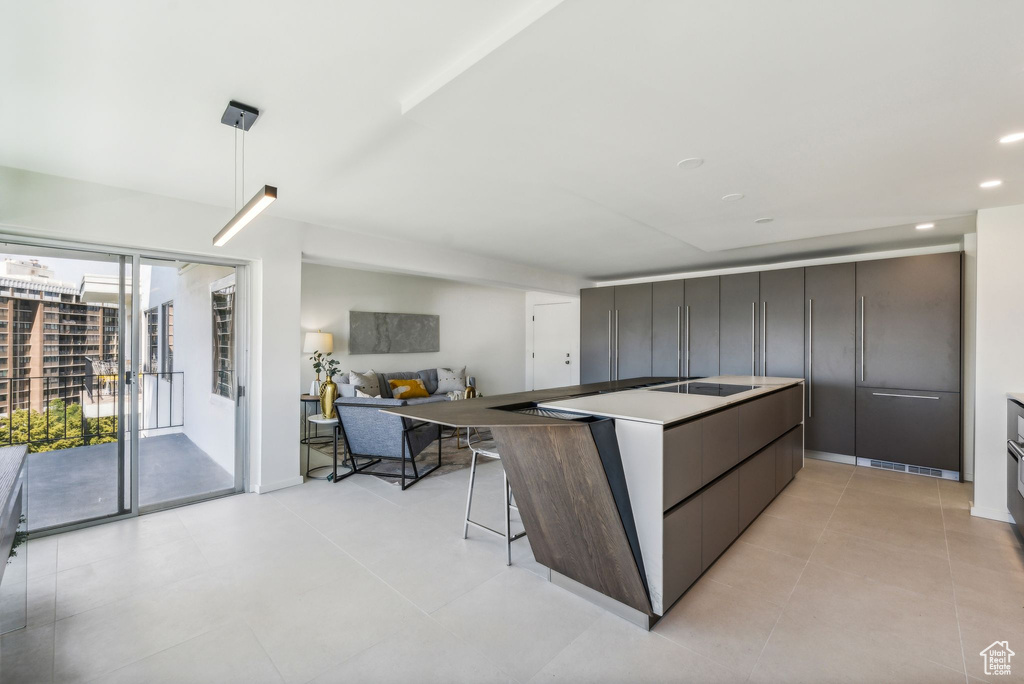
(912, 469)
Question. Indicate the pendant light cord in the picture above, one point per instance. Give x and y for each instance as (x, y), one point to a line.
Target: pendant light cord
(234, 197)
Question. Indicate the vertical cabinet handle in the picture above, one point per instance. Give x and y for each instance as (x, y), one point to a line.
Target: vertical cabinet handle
(764, 338)
(810, 358)
(609, 344)
(679, 342)
(616, 344)
(753, 337)
(862, 339)
(687, 341)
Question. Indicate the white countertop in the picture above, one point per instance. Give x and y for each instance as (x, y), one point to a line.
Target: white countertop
(661, 408)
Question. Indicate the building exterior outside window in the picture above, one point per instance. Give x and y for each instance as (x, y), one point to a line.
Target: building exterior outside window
(223, 309)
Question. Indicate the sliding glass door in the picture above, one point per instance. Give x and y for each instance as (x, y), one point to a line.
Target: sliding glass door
(189, 382)
(123, 377)
(62, 355)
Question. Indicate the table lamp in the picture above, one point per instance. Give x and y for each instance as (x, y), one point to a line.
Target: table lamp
(317, 342)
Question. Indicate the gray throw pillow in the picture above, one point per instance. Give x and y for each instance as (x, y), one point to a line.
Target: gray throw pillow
(451, 380)
(367, 382)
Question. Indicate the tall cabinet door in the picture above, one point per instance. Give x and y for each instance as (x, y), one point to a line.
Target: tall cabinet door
(908, 323)
(700, 313)
(831, 301)
(667, 330)
(782, 323)
(596, 307)
(632, 331)
(739, 324)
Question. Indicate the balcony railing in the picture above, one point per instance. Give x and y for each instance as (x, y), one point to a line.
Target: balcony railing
(49, 413)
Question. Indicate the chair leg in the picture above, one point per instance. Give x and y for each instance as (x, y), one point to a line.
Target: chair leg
(508, 520)
(469, 496)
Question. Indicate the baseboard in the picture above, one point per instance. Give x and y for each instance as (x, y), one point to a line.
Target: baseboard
(280, 484)
(992, 514)
(834, 458)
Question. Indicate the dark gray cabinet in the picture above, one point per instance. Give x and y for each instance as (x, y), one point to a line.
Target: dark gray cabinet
(719, 518)
(681, 542)
(615, 332)
(720, 443)
(682, 455)
(908, 323)
(739, 326)
(916, 427)
(632, 331)
(597, 305)
(667, 329)
(782, 323)
(756, 486)
(831, 334)
(700, 312)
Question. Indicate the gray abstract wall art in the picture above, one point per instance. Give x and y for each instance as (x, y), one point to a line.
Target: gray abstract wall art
(393, 333)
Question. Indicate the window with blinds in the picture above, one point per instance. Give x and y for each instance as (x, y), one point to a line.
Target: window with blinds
(223, 301)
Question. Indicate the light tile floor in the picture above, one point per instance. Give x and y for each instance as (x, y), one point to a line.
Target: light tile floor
(850, 575)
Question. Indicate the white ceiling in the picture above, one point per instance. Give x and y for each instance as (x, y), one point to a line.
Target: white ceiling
(540, 133)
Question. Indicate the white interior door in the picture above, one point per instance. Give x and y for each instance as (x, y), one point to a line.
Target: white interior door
(553, 334)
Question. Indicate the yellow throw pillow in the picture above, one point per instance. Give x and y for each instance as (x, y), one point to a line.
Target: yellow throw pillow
(408, 389)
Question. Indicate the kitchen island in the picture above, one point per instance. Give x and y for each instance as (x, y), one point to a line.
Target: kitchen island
(629, 493)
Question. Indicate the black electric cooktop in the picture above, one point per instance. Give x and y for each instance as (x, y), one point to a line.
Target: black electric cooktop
(709, 389)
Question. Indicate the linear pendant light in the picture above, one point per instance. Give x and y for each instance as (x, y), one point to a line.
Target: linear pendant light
(260, 201)
(242, 116)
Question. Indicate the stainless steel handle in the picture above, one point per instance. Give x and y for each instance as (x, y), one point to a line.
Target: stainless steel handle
(609, 344)
(753, 337)
(679, 341)
(1012, 446)
(616, 344)
(687, 341)
(862, 339)
(810, 358)
(903, 396)
(764, 338)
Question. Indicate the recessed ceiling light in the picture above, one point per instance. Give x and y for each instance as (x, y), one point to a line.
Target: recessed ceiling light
(732, 197)
(991, 184)
(690, 163)
(764, 219)
(925, 226)
(1012, 138)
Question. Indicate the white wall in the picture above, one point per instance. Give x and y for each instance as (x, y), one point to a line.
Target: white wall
(482, 327)
(1000, 350)
(534, 298)
(970, 349)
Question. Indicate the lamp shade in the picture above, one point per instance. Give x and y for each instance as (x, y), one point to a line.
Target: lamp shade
(318, 341)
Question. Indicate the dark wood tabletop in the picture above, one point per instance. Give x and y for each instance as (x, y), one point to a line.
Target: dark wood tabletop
(484, 411)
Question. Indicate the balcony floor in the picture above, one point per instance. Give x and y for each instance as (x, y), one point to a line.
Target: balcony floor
(72, 485)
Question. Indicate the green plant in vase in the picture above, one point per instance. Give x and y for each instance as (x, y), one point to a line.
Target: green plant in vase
(328, 390)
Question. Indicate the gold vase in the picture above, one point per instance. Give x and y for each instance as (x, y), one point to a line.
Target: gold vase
(328, 393)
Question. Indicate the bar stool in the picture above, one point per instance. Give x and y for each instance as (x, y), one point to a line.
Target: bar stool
(487, 449)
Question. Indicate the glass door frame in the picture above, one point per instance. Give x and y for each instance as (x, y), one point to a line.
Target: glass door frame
(133, 257)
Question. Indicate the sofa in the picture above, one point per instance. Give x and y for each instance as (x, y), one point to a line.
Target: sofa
(372, 435)
(428, 376)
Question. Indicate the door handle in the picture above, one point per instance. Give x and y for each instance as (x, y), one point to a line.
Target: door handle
(609, 344)
(810, 358)
(616, 344)
(753, 337)
(687, 341)
(862, 339)
(679, 341)
(903, 396)
(764, 338)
